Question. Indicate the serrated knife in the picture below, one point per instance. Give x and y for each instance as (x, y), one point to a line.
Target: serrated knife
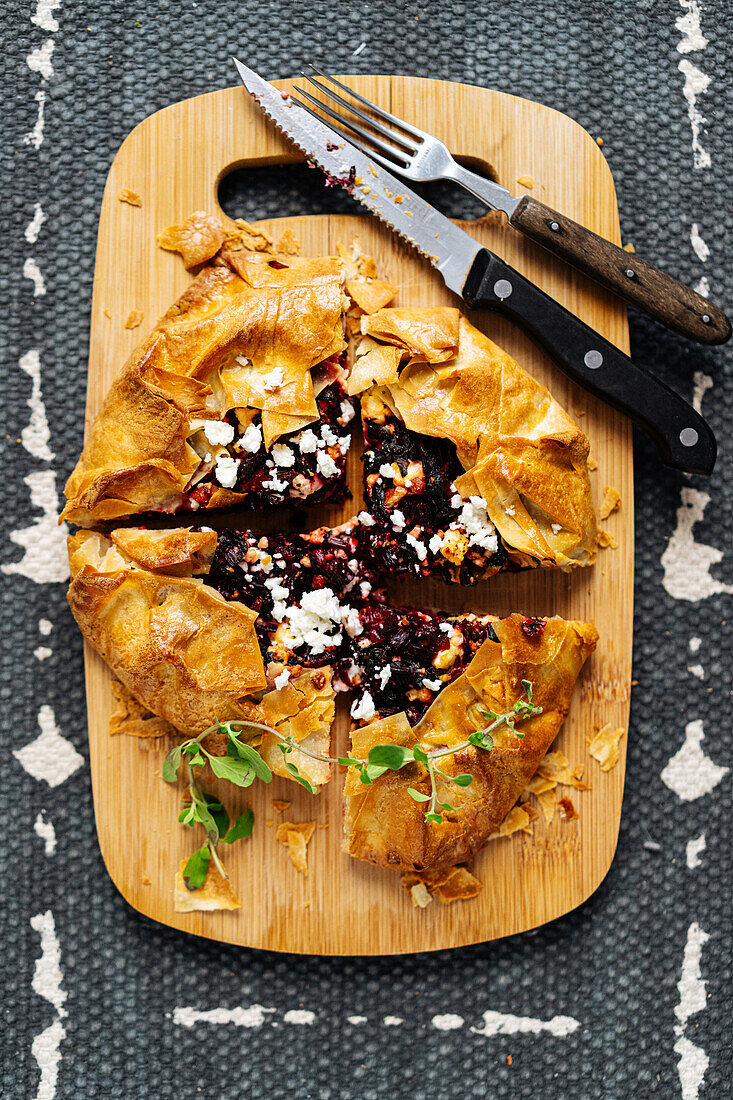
(483, 280)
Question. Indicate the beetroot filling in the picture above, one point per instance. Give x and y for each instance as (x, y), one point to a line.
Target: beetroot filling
(302, 481)
(428, 507)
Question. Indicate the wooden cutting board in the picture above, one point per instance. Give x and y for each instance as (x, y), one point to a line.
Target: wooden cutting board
(174, 160)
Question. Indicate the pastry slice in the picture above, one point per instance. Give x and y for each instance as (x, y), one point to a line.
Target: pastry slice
(236, 396)
(384, 824)
(194, 652)
(470, 465)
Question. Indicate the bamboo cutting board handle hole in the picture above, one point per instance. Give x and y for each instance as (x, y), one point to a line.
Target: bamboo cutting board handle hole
(286, 189)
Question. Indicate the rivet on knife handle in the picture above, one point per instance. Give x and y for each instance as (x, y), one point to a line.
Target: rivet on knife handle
(624, 273)
(683, 438)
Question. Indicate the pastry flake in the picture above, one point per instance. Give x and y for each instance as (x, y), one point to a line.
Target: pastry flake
(604, 746)
(295, 837)
(216, 893)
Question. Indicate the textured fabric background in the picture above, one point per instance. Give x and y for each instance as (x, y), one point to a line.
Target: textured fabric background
(91, 988)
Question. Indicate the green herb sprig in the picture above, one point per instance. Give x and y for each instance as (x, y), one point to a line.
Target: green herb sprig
(243, 764)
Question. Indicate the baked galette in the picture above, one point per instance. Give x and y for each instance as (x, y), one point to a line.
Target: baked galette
(237, 395)
(386, 824)
(470, 465)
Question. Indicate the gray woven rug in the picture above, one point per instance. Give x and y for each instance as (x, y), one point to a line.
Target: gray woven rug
(629, 995)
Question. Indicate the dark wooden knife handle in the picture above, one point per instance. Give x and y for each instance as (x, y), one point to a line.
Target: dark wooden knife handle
(624, 273)
(684, 439)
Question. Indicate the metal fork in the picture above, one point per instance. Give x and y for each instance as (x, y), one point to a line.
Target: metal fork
(416, 155)
(409, 151)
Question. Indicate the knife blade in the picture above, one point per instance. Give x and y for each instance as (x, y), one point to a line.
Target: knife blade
(482, 279)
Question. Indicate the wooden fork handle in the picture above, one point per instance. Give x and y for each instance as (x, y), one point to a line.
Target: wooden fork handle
(624, 273)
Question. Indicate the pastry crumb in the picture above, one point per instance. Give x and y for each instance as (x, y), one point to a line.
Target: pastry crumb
(517, 820)
(146, 880)
(567, 809)
(108, 313)
(216, 893)
(198, 238)
(449, 885)
(604, 746)
(611, 501)
(130, 197)
(134, 318)
(606, 540)
(526, 181)
(288, 245)
(592, 464)
(295, 837)
(279, 805)
(556, 766)
(133, 719)
(629, 247)
(599, 141)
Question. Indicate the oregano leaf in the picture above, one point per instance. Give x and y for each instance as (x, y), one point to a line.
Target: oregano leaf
(172, 763)
(197, 866)
(242, 827)
(418, 796)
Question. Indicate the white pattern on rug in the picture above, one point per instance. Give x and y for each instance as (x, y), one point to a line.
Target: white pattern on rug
(690, 773)
(47, 979)
(686, 563)
(36, 434)
(693, 998)
(50, 757)
(45, 557)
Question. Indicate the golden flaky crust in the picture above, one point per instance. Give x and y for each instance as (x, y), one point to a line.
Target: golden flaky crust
(521, 451)
(184, 652)
(209, 354)
(384, 825)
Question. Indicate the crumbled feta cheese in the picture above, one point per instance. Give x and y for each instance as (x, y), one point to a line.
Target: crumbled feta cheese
(194, 505)
(347, 412)
(447, 628)
(282, 679)
(278, 591)
(279, 610)
(283, 455)
(325, 465)
(344, 442)
(365, 588)
(352, 622)
(242, 360)
(275, 484)
(251, 441)
(474, 518)
(208, 530)
(435, 543)
(433, 685)
(456, 501)
(307, 441)
(398, 520)
(226, 471)
(557, 527)
(384, 675)
(218, 431)
(274, 380)
(510, 510)
(364, 708)
(312, 623)
(329, 435)
(387, 469)
(419, 547)
(365, 519)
